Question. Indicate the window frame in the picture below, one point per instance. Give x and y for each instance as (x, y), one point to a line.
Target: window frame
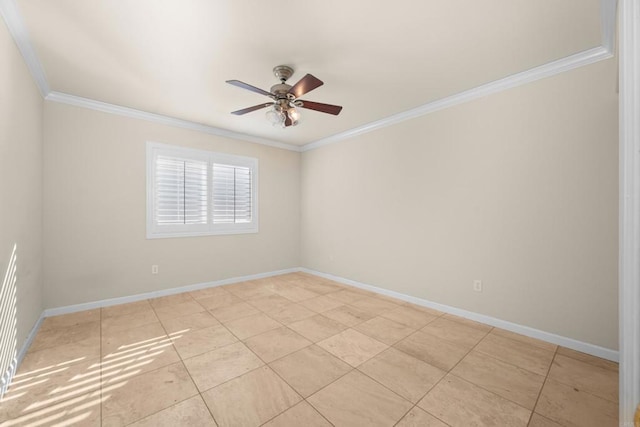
(155, 231)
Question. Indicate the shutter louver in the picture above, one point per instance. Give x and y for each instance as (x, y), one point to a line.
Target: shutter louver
(232, 191)
(181, 191)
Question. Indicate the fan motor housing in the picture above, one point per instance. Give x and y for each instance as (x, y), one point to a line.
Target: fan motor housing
(280, 90)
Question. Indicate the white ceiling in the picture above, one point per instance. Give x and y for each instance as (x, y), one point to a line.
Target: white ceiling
(376, 58)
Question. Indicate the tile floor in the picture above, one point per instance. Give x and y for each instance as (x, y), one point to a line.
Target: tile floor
(298, 350)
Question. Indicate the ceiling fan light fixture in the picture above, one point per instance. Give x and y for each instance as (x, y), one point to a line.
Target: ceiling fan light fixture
(284, 109)
(275, 116)
(294, 115)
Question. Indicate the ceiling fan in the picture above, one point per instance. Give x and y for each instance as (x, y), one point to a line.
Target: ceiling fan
(285, 106)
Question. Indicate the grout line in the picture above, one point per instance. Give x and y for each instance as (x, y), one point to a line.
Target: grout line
(542, 388)
(511, 363)
(199, 393)
(267, 365)
(446, 372)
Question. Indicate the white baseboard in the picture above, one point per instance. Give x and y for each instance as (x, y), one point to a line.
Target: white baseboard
(30, 337)
(584, 347)
(571, 343)
(7, 376)
(162, 293)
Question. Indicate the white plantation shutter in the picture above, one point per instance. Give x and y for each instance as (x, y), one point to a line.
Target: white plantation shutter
(194, 192)
(232, 194)
(181, 191)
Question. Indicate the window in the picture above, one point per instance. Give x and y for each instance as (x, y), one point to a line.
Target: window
(195, 192)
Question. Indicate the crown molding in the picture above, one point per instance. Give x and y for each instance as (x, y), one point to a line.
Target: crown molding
(15, 25)
(552, 68)
(608, 14)
(105, 107)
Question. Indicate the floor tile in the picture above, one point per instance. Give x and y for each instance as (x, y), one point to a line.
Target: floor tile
(177, 310)
(310, 369)
(317, 328)
(231, 312)
(352, 347)
(461, 404)
(321, 304)
(215, 291)
(251, 399)
(587, 358)
(410, 317)
(424, 309)
(82, 411)
(419, 418)
(132, 340)
(468, 322)
(346, 296)
(252, 325)
(455, 332)
(540, 421)
(122, 309)
(296, 294)
(374, 306)
(192, 343)
(220, 300)
(348, 315)
(573, 408)
(509, 381)
(302, 414)
(68, 335)
(191, 412)
(270, 303)
(140, 396)
(121, 346)
(249, 292)
(61, 355)
(585, 377)
(433, 350)
(128, 321)
(403, 374)
(357, 400)
(170, 300)
(291, 313)
(72, 319)
(276, 343)
(134, 351)
(531, 358)
(384, 330)
(34, 391)
(524, 339)
(293, 277)
(190, 322)
(321, 287)
(215, 367)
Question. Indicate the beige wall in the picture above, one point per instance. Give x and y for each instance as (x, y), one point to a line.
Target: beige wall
(95, 211)
(518, 189)
(20, 182)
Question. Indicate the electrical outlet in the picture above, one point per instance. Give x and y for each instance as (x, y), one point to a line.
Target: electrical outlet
(154, 269)
(477, 285)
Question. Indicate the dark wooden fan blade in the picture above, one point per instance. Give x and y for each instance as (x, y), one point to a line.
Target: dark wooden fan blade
(246, 86)
(323, 108)
(287, 121)
(250, 109)
(306, 84)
